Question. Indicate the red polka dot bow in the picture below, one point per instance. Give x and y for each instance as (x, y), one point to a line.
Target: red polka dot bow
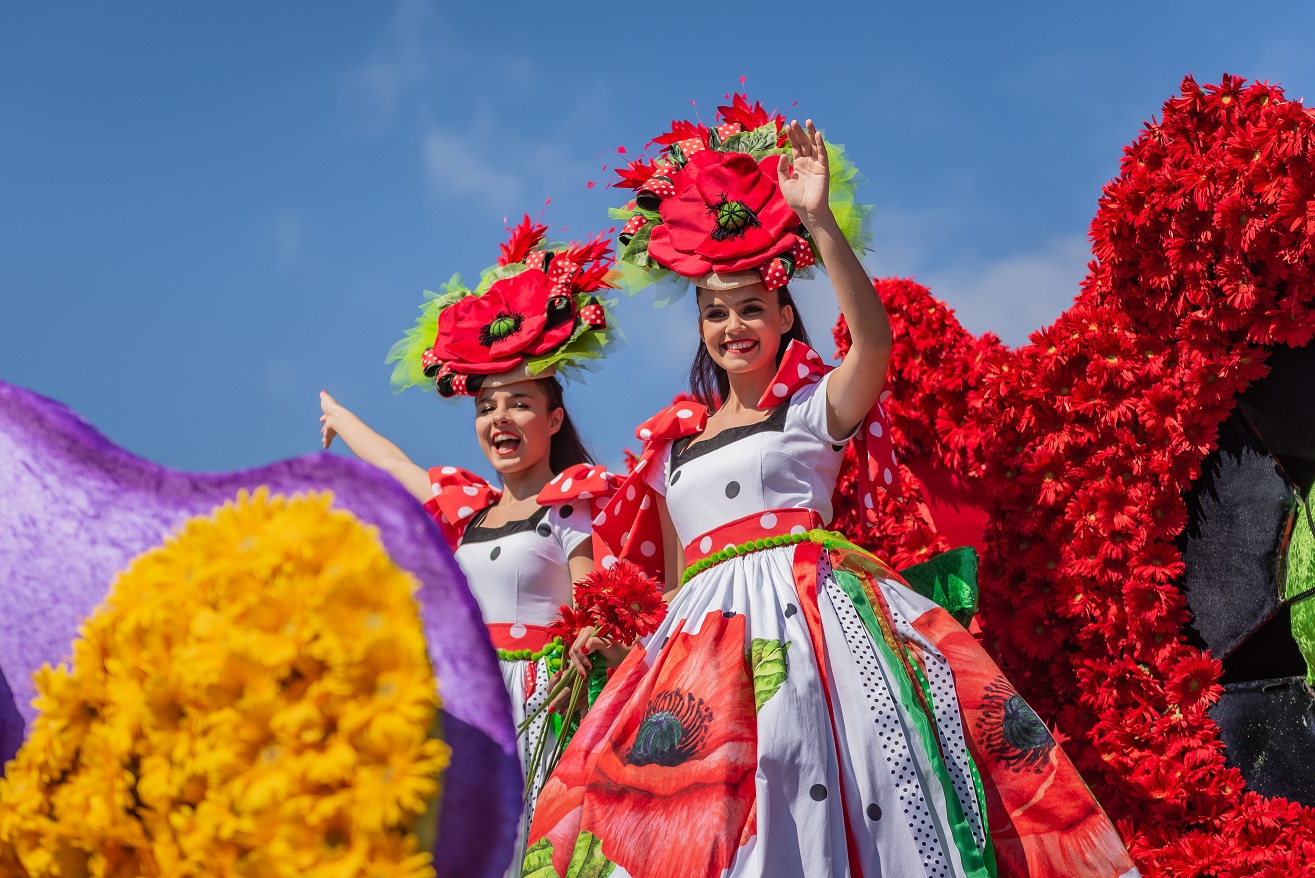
(801, 366)
(581, 484)
(564, 275)
(458, 495)
(629, 527)
(562, 272)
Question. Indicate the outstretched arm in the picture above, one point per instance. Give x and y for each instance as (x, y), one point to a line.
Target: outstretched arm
(856, 383)
(372, 448)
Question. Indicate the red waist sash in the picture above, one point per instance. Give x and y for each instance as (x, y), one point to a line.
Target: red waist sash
(757, 526)
(514, 635)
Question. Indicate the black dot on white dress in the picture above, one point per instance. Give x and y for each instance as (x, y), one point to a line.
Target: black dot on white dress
(497, 550)
(790, 610)
(874, 811)
(675, 477)
(543, 529)
(732, 490)
(818, 792)
(567, 511)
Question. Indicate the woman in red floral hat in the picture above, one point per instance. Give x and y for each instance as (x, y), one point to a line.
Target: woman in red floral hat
(801, 710)
(521, 546)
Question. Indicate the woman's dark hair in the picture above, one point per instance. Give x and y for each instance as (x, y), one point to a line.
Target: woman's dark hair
(567, 449)
(708, 382)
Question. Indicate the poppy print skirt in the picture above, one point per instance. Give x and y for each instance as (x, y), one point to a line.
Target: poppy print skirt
(802, 711)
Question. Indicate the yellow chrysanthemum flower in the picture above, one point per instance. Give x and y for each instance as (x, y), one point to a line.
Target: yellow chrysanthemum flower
(253, 698)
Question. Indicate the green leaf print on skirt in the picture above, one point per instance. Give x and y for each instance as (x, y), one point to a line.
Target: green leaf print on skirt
(587, 860)
(769, 668)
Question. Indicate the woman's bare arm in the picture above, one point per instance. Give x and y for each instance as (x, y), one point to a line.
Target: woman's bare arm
(372, 448)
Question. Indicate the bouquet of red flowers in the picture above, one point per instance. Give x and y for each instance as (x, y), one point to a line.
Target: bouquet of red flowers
(621, 603)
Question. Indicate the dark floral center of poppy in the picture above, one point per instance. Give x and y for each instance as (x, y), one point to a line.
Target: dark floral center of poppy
(1012, 731)
(674, 730)
(1022, 727)
(503, 326)
(733, 219)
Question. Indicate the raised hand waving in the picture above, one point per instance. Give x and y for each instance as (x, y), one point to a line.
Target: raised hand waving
(805, 174)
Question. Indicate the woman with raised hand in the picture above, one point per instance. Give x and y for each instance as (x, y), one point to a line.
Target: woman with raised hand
(802, 710)
(520, 546)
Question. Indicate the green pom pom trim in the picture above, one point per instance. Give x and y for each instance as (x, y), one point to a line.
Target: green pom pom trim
(552, 651)
(758, 545)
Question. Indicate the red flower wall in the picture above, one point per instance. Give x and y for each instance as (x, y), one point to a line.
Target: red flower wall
(1073, 454)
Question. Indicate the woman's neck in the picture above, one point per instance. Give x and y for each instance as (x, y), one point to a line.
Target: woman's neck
(525, 485)
(746, 389)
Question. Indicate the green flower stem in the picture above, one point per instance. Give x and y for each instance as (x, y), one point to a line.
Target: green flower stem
(557, 689)
(577, 686)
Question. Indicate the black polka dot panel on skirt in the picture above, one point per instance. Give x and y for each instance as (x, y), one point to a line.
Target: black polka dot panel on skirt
(732, 490)
(497, 550)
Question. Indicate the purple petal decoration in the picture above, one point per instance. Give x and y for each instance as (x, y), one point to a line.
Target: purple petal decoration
(76, 509)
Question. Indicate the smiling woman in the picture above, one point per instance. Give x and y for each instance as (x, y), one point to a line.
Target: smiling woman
(521, 546)
(802, 710)
(732, 321)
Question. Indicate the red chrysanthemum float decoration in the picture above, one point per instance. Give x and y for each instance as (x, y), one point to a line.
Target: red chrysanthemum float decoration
(1067, 462)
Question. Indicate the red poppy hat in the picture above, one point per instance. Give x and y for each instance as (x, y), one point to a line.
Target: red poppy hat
(532, 314)
(708, 209)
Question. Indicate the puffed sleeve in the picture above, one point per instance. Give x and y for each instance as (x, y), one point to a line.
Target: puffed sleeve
(571, 524)
(808, 412)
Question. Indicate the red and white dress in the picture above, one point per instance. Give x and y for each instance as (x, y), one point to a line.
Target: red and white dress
(801, 710)
(520, 575)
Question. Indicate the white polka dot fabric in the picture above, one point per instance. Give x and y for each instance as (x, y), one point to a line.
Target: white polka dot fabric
(787, 463)
(518, 572)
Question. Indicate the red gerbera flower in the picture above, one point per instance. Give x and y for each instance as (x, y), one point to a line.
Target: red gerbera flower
(1194, 681)
(570, 623)
(623, 600)
(1032, 631)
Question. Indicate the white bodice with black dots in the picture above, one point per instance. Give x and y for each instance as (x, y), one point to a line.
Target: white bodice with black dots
(788, 461)
(518, 571)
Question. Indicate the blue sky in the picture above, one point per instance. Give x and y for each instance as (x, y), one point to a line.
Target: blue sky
(209, 212)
